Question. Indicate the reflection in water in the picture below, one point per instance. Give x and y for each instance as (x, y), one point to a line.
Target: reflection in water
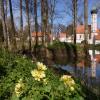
(89, 75)
(92, 79)
(95, 55)
(93, 68)
(93, 72)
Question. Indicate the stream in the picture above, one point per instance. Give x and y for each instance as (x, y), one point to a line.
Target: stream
(91, 74)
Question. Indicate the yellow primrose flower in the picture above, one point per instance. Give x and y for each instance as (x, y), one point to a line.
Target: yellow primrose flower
(72, 88)
(73, 82)
(37, 74)
(65, 77)
(19, 88)
(37, 79)
(45, 81)
(68, 81)
(34, 72)
(41, 74)
(41, 66)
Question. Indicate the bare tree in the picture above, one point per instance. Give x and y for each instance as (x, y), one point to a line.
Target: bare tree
(73, 5)
(4, 24)
(21, 24)
(21, 16)
(74, 18)
(36, 23)
(28, 23)
(86, 34)
(51, 11)
(12, 26)
(86, 19)
(6, 18)
(42, 25)
(44, 19)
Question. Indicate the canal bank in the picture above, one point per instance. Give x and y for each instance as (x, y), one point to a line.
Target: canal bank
(62, 57)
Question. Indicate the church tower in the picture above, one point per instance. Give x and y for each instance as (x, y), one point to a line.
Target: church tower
(93, 24)
(93, 33)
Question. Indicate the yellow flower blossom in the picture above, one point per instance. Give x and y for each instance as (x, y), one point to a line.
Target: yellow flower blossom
(68, 81)
(37, 79)
(37, 74)
(19, 88)
(45, 81)
(41, 66)
(72, 88)
(65, 77)
(73, 82)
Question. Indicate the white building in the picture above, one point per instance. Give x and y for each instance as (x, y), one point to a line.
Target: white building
(94, 32)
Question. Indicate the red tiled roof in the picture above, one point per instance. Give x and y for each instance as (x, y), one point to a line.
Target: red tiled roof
(97, 37)
(39, 34)
(97, 56)
(98, 31)
(80, 29)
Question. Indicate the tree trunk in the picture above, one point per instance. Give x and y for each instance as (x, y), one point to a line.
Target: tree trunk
(86, 19)
(86, 37)
(36, 24)
(21, 17)
(28, 23)
(46, 21)
(13, 27)
(4, 24)
(74, 2)
(86, 30)
(6, 12)
(51, 15)
(21, 25)
(42, 25)
(74, 19)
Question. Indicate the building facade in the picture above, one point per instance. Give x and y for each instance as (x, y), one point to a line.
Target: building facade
(93, 32)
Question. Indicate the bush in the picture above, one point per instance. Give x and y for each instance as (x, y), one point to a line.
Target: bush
(56, 44)
(24, 80)
(14, 67)
(97, 47)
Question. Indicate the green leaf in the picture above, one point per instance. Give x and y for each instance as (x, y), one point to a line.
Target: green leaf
(47, 88)
(61, 87)
(14, 97)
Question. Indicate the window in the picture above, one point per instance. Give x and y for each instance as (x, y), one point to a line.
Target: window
(80, 36)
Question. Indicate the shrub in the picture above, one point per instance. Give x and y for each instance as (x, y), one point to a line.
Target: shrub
(24, 80)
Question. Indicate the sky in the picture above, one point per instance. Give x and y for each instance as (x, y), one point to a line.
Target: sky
(62, 17)
(67, 19)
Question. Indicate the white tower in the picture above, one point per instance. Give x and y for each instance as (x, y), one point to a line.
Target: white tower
(93, 33)
(93, 24)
